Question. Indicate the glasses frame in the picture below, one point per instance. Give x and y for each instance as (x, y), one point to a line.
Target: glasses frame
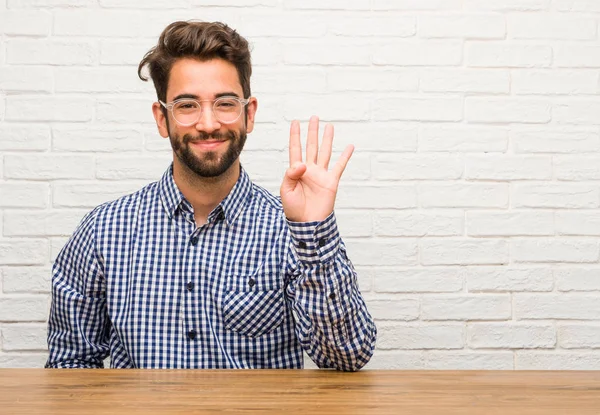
(169, 106)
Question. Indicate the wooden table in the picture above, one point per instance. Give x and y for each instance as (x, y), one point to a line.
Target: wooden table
(29, 391)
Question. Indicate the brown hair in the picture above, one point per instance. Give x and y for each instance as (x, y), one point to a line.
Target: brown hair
(196, 40)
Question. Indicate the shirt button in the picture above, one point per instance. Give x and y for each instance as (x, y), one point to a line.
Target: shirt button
(322, 242)
(302, 245)
(194, 240)
(190, 286)
(251, 282)
(332, 296)
(191, 334)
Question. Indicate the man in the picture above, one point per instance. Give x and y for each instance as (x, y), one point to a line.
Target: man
(204, 269)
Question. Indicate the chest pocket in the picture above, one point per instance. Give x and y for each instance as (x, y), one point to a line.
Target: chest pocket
(254, 304)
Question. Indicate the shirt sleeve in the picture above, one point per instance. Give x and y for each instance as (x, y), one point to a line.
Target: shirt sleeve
(333, 324)
(78, 324)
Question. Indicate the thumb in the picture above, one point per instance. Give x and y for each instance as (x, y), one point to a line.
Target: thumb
(291, 177)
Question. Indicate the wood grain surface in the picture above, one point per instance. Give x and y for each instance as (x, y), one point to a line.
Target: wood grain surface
(28, 391)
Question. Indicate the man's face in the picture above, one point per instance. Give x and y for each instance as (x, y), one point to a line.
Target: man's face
(208, 148)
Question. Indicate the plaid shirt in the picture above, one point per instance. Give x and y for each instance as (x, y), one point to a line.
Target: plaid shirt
(139, 281)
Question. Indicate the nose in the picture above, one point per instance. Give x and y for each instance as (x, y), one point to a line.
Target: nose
(207, 121)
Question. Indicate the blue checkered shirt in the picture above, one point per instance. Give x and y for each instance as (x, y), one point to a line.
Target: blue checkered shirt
(138, 281)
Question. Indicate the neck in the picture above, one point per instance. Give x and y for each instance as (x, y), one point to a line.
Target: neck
(204, 193)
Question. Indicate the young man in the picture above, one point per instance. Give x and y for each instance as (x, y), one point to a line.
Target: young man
(204, 269)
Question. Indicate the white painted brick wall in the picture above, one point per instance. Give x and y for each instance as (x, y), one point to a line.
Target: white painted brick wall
(471, 208)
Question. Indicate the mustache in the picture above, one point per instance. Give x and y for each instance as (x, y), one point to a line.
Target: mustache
(229, 135)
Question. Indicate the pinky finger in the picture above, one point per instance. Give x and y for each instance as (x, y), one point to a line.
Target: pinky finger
(341, 164)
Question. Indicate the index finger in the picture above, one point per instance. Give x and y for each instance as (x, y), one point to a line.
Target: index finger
(295, 144)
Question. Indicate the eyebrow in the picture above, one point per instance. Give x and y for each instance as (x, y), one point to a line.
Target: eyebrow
(219, 95)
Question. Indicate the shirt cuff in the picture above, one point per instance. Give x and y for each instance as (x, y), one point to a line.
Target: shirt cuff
(315, 242)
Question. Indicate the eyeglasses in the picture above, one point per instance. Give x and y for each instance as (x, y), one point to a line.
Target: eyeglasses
(187, 111)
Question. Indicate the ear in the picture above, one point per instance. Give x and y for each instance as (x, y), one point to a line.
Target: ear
(161, 121)
(251, 108)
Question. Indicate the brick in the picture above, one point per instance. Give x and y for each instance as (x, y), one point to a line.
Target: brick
(390, 360)
(378, 196)
(382, 252)
(24, 195)
(469, 26)
(56, 245)
(555, 250)
(124, 110)
(418, 53)
(408, 5)
(559, 196)
(23, 360)
(466, 307)
(90, 195)
(556, 139)
(507, 110)
(95, 22)
(260, 165)
(22, 137)
(365, 279)
(430, 167)
(507, 55)
(24, 337)
(422, 336)
(354, 223)
(282, 25)
(404, 309)
(330, 5)
(26, 279)
(155, 143)
(579, 168)
(492, 81)
(504, 167)
(95, 139)
(501, 279)
(555, 81)
(40, 108)
(124, 52)
(392, 137)
(233, 3)
(579, 336)
(26, 79)
(148, 4)
(49, 167)
(577, 55)
(513, 223)
(470, 360)
(453, 251)
(35, 4)
(265, 52)
(399, 223)
(415, 280)
(88, 80)
(342, 79)
(26, 23)
(357, 170)
(50, 52)
(578, 6)
(330, 108)
(52, 223)
(271, 109)
(507, 5)
(418, 109)
(23, 252)
(551, 26)
(577, 279)
(470, 195)
(556, 361)
(557, 306)
(577, 112)
(578, 223)
(511, 336)
(123, 168)
(462, 138)
(320, 52)
(372, 25)
(286, 80)
(24, 308)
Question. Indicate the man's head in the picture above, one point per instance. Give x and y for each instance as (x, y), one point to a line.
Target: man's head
(202, 62)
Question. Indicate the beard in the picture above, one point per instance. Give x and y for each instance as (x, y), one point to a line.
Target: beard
(211, 163)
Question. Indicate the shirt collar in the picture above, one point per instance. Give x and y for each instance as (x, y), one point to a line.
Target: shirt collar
(230, 207)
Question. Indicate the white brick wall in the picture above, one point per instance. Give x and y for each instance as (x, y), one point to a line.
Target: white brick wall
(471, 208)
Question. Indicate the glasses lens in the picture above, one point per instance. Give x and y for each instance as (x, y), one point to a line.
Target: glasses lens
(227, 110)
(186, 112)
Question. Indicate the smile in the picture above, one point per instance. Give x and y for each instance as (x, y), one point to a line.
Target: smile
(207, 144)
